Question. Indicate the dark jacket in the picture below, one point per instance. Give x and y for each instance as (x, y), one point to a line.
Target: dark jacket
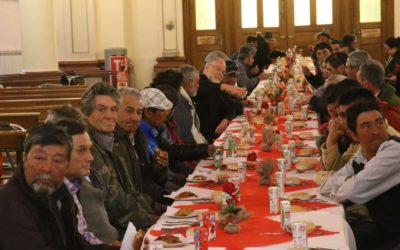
(262, 58)
(141, 168)
(92, 196)
(184, 119)
(388, 94)
(211, 108)
(316, 80)
(34, 221)
(124, 203)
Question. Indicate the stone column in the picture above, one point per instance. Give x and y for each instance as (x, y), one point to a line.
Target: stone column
(38, 36)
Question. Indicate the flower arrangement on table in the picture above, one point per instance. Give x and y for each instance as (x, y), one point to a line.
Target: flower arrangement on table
(231, 215)
(276, 93)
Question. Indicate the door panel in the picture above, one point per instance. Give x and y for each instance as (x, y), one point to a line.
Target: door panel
(372, 24)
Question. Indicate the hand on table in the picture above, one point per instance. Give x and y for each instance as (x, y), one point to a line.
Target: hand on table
(222, 126)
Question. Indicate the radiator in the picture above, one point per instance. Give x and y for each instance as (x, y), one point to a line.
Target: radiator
(10, 62)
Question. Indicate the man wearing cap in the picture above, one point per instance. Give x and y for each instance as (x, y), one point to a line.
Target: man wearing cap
(156, 108)
(185, 113)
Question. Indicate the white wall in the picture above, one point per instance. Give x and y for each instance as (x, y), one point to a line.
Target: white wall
(145, 42)
(10, 25)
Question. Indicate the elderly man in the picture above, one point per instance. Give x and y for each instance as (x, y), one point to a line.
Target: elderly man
(146, 171)
(36, 210)
(354, 62)
(213, 110)
(371, 177)
(185, 113)
(244, 62)
(124, 203)
(371, 76)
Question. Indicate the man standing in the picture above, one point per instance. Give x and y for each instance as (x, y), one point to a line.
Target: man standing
(371, 177)
(36, 210)
(123, 202)
(185, 113)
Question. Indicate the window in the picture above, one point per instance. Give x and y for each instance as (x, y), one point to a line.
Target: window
(205, 15)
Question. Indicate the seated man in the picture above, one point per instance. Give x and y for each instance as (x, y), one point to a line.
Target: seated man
(185, 113)
(214, 112)
(88, 194)
(371, 177)
(147, 172)
(371, 76)
(244, 62)
(90, 191)
(124, 203)
(36, 210)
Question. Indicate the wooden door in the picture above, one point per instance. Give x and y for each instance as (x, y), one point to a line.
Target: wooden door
(372, 23)
(305, 18)
(205, 28)
(292, 22)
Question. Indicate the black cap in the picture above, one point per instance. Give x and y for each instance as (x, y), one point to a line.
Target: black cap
(231, 68)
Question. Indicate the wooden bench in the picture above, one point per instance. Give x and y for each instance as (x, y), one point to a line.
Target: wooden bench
(39, 90)
(42, 110)
(26, 120)
(52, 95)
(74, 101)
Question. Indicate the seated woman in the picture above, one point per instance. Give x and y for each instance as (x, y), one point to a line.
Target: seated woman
(392, 71)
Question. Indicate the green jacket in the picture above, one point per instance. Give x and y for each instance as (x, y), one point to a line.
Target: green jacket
(123, 202)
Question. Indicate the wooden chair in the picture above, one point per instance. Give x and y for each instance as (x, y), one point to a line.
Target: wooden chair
(12, 141)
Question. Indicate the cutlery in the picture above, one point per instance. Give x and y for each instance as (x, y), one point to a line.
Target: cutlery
(273, 233)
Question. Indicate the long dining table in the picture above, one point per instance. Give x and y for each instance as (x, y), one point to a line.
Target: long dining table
(262, 230)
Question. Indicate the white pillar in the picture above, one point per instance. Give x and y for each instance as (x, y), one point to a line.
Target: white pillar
(38, 36)
(170, 33)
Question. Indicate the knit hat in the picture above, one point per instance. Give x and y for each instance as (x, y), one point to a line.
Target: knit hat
(154, 98)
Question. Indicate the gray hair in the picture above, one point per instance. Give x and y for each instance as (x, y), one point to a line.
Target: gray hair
(64, 113)
(130, 91)
(189, 73)
(214, 55)
(373, 72)
(358, 58)
(245, 51)
(88, 100)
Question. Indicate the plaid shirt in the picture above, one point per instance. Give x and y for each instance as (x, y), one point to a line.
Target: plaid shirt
(73, 187)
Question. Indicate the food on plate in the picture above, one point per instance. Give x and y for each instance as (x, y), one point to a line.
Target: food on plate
(303, 196)
(199, 178)
(297, 209)
(292, 181)
(321, 177)
(185, 194)
(297, 124)
(306, 135)
(184, 211)
(242, 146)
(299, 143)
(169, 239)
(137, 241)
(232, 166)
(306, 152)
(296, 115)
(306, 164)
